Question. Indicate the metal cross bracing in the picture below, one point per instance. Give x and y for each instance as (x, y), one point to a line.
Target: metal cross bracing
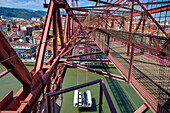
(116, 27)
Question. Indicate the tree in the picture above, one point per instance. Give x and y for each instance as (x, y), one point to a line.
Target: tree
(9, 29)
(30, 34)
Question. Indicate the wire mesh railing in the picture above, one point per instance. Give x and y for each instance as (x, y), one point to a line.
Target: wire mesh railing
(152, 75)
(150, 34)
(136, 39)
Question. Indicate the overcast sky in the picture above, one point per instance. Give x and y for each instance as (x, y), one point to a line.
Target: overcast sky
(35, 4)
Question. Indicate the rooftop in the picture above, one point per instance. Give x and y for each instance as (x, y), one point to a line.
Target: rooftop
(16, 37)
(21, 44)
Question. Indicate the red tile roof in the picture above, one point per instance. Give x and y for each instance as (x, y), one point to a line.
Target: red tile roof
(38, 42)
(37, 37)
(37, 31)
(16, 37)
(29, 26)
(6, 27)
(49, 48)
(21, 44)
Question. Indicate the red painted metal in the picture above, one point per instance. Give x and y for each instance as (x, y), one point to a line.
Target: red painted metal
(139, 23)
(42, 47)
(153, 19)
(117, 65)
(87, 60)
(130, 28)
(100, 99)
(60, 29)
(34, 82)
(106, 18)
(163, 61)
(119, 23)
(152, 32)
(66, 28)
(114, 26)
(56, 76)
(126, 26)
(154, 50)
(11, 60)
(89, 7)
(131, 64)
(141, 109)
(117, 77)
(71, 26)
(108, 40)
(5, 72)
(55, 33)
(147, 98)
(152, 11)
(109, 101)
(84, 54)
(110, 4)
(165, 44)
(61, 81)
(143, 28)
(6, 100)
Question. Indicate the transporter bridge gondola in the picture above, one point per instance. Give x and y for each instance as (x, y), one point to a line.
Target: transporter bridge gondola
(82, 99)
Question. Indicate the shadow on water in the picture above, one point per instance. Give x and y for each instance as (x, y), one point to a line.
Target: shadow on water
(91, 109)
(119, 94)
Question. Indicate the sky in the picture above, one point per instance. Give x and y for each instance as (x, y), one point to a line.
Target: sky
(35, 4)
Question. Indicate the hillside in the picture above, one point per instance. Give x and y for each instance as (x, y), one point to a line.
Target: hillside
(20, 13)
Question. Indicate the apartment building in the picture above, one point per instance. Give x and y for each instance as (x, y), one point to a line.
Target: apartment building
(24, 50)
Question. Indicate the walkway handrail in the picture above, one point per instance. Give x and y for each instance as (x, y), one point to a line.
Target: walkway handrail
(102, 88)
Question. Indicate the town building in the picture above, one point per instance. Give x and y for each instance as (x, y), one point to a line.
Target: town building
(24, 50)
(37, 32)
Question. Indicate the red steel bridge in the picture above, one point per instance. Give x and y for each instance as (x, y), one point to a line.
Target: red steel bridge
(134, 35)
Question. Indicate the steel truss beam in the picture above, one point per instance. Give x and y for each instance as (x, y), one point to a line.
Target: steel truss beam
(35, 81)
(87, 60)
(84, 54)
(13, 63)
(147, 98)
(102, 89)
(117, 77)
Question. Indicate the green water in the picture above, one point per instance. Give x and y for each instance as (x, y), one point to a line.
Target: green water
(124, 98)
(9, 83)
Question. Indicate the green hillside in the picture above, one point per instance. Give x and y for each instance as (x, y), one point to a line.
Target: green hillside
(20, 13)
